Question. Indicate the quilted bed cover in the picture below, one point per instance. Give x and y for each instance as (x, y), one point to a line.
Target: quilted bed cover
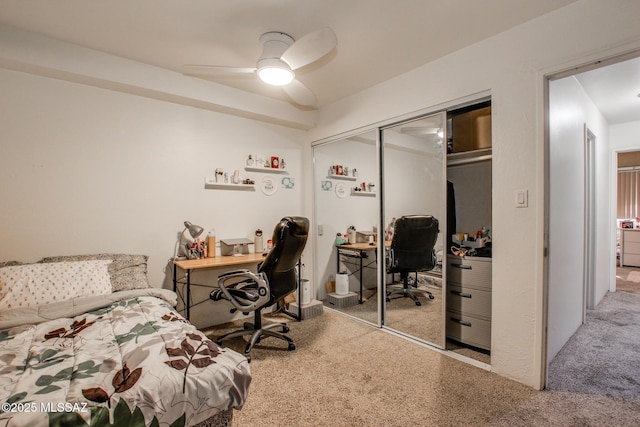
(121, 359)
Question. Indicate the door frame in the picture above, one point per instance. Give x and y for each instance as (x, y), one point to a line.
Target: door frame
(595, 62)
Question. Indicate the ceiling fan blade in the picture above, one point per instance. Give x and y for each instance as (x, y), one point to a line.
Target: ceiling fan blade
(300, 93)
(215, 70)
(310, 48)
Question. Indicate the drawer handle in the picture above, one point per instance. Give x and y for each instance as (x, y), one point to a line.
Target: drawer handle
(462, 322)
(461, 294)
(461, 266)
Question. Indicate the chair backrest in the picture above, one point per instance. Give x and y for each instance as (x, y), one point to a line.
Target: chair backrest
(289, 240)
(412, 244)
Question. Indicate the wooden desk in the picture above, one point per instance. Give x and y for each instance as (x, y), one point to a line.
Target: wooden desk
(188, 265)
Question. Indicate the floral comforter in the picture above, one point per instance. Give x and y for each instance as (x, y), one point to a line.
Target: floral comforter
(130, 360)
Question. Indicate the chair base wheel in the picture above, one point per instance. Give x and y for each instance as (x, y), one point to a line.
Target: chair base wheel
(292, 346)
(431, 296)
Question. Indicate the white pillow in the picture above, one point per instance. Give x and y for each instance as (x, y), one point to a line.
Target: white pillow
(32, 285)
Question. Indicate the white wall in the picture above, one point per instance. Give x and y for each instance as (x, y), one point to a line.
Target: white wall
(625, 136)
(511, 67)
(569, 110)
(88, 170)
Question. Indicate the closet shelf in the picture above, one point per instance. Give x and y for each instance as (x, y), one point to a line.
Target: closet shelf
(468, 157)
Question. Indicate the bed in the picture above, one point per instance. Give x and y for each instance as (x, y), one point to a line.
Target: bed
(85, 341)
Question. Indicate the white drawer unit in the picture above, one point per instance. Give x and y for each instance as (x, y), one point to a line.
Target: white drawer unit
(630, 247)
(469, 271)
(469, 330)
(469, 300)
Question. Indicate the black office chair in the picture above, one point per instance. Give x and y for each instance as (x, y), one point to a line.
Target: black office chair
(275, 279)
(411, 251)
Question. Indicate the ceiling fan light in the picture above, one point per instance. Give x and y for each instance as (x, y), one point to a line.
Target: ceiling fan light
(275, 72)
(276, 76)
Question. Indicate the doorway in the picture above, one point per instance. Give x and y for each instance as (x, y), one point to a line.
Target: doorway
(627, 198)
(584, 134)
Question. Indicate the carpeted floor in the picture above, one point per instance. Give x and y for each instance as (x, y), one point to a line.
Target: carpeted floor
(346, 373)
(602, 357)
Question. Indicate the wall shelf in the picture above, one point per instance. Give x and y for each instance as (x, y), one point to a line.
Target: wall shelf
(265, 170)
(211, 183)
(348, 178)
(363, 193)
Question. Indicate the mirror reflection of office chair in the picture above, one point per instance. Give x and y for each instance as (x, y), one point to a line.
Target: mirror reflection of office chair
(276, 278)
(412, 251)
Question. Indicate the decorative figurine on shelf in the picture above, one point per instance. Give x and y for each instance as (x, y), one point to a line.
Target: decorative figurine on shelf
(275, 162)
(219, 174)
(235, 178)
(250, 160)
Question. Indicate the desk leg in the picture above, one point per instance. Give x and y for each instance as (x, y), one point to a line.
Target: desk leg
(187, 303)
(361, 255)
(175, 279)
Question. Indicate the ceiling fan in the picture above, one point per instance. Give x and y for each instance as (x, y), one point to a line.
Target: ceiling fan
(281, 55)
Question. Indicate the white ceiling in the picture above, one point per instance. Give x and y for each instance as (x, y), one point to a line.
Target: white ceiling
(615, 89)
(377, 39)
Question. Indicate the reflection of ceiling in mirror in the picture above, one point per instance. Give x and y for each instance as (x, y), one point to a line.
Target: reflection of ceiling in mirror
(423, 144)
(413, 135)
(365, 138)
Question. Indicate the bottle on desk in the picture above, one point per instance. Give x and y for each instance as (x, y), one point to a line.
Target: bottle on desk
(258, 242)
(211, 243)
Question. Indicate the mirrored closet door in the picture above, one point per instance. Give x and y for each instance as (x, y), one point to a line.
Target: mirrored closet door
(414, 207)
(347, 212)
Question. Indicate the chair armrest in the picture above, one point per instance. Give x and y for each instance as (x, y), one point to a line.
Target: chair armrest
(234, 273)
(245, 290)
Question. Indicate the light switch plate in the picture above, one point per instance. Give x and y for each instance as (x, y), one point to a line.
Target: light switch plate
(522, 198)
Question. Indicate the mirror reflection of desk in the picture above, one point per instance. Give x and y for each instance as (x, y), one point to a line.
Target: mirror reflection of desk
(359, 252)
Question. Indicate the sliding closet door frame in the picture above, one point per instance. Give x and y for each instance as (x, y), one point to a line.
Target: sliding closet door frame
(442, 225)
(323, 142)
(379, 126)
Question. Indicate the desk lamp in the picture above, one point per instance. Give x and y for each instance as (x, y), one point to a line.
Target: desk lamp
(194, 230)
